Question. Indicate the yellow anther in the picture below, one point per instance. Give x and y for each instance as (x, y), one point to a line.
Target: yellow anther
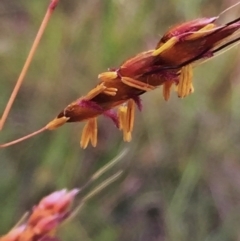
(185, 86)
(94, 92)
(89, 133)
(110, 91)
(137, 84)
(202, 32)
(171, 42)
(108, 76)
(56, 123)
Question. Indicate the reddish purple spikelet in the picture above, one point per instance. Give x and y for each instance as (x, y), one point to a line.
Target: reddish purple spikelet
(65, 200)
(49, 201)
(188, 28)
(57, 202)
(49, 223)
(46, 224)
(44, 218)
(90, 104)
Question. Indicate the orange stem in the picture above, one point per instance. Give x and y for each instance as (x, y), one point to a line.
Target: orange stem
(44, 23)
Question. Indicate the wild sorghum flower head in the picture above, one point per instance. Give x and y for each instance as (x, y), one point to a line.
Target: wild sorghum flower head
(170, 64)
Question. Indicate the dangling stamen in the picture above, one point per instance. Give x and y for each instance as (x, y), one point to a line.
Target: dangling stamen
(89, 133)
(122, 110)
(122, 114)
(130, 115)
(126, 119)
(171, 42)
(94, 132)
(185, 81)
(85, 137)
(167, 89)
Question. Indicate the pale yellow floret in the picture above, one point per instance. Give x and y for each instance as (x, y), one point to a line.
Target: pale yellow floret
(89, 133)
(171, 42)
(185, 86)
(137, 84)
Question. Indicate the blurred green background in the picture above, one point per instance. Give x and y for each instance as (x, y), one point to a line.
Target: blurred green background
(182, 169)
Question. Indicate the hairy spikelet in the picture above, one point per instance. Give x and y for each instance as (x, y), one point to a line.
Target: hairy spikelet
(44, 218)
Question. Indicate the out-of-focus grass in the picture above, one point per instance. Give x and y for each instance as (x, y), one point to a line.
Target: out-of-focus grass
(182, 171)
